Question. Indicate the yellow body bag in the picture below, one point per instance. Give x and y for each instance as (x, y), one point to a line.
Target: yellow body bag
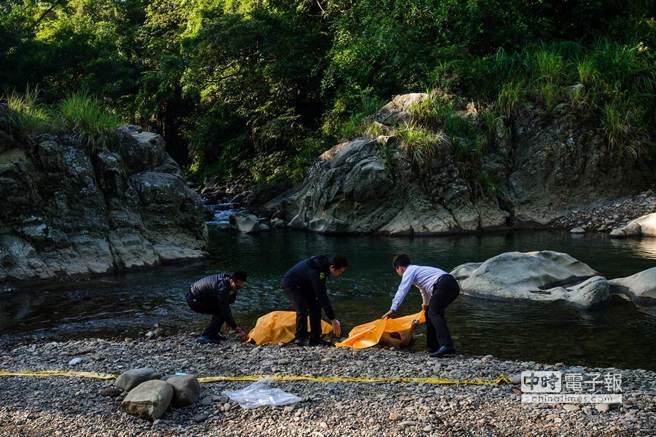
(369, 334)
(279, 327)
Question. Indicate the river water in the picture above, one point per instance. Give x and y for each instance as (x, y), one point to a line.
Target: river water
(615, 334)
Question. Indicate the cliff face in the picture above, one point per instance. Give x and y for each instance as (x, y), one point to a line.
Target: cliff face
(70, 210)
(538, 168)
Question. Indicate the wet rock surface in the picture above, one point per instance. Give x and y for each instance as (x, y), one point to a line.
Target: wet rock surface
(71, 406)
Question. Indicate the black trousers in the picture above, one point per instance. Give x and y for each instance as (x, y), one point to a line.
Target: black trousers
(204, 307)
(445, 291)
(305, 304)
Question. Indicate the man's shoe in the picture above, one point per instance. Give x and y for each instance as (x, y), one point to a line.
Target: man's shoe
(442, 352)
(300, 342)
(320, 342)
(210, 339)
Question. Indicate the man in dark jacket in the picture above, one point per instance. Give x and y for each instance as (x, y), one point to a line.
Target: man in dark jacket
(213, 295)
(305, 287)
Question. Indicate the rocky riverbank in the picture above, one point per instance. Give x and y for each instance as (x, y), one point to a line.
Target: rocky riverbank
(35, 406)
(72, 209)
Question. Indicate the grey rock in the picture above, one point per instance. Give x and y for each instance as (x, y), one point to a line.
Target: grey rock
(277, 223)
(71, 210)
(76, 361)
(577, 230)
(149, 399)
(111, 391)
(187, 390)
(247, 223)
(539, 276)
(640, 287)
(642, 226)
(133, 377)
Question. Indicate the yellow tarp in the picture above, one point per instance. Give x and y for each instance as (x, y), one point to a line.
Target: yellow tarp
(279, 327)
(369, 334)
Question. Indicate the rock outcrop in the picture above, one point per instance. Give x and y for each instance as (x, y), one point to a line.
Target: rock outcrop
(70, 209)
(539, 276)
(536, 169)
(644, 226)
(640, 287)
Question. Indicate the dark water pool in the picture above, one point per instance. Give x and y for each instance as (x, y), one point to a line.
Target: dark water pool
(616, 334)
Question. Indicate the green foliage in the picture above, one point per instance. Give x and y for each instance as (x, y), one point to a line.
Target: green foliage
(421, 144)
(509, 97)
(83, 115)
(227, 81)
(26, 114)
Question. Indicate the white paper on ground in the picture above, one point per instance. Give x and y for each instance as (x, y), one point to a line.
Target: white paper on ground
(260, 394)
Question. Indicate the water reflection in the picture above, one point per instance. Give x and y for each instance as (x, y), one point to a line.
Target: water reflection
(617, 334)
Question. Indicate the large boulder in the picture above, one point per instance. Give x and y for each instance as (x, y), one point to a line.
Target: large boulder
(640, 287)
(540, 276)
(528, 170)
(644, 226)
(149, 399)
(70, 209)
(133, 377)
(187, 390)
(371, 186)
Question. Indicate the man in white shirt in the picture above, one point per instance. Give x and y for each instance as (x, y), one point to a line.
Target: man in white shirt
(438, 289)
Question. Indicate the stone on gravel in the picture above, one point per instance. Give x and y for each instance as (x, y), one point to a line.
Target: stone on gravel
(133, 377)
(149, 399)
(602, 408)
(75, 361)
(186, 390)
(111, 391)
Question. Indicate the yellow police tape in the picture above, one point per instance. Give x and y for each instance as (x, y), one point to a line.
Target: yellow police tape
(501, 379)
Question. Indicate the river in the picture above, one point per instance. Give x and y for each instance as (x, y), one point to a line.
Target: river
(616, 334)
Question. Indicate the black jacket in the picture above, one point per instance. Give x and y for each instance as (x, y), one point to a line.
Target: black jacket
(309, 276)
(215, 292)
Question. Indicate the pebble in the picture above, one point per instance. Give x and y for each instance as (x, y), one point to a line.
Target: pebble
(36, 406)
(76, 361)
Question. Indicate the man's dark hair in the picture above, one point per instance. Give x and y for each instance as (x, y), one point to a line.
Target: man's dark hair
(401, 260)
(239, 276)
(339, 262)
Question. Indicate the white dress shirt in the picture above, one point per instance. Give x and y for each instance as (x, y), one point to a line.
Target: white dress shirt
(423, 277)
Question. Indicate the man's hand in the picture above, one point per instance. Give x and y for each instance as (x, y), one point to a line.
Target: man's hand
(389, 315)
(337, 328)
(241, 334)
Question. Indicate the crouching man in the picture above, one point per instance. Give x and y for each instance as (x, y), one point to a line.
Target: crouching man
(213, 295)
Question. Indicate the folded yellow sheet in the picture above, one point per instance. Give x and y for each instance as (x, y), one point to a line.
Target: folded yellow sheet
(369, 334)
(279, 327)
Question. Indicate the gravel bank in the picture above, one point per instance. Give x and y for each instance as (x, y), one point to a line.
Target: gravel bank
(39, 406)
(607, 215)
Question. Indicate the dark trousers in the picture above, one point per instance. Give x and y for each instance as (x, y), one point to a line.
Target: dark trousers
(205, 307)
(445, 291)
(305, 304)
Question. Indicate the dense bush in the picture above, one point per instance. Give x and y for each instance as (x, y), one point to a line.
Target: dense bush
(259, 88)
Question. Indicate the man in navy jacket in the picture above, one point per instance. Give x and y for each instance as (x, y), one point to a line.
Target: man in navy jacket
(305, 286)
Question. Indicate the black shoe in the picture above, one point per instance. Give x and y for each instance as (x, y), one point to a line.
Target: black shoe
(213, 339)
(299, 342)
(320, 342)
(442, 352)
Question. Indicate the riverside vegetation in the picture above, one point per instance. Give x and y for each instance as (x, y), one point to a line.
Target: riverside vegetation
(253, 91)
